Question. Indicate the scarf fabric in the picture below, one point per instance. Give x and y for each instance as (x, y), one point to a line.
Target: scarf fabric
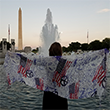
(71, 77)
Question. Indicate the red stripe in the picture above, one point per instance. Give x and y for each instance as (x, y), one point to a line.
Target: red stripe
(58, 79)
(67, 65)
(100, 75)
(100, 80)
(97, 72)
(19, 68)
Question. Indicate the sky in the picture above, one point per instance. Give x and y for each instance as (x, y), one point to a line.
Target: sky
(73, 18)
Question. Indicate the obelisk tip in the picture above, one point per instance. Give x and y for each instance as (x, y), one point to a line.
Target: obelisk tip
(19, 8)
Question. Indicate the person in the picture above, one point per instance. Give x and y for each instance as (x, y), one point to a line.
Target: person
(52, 101)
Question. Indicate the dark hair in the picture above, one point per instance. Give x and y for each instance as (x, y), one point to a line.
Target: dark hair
(55, 49)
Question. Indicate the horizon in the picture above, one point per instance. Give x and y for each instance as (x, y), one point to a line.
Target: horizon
(74, 20)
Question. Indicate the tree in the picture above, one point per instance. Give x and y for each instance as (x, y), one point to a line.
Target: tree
(65, 49)
(35, 50)
(84, 46)
(74, 46)
(95, 45)
(106, 43)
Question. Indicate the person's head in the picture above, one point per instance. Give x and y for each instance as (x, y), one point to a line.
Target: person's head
(55, 49)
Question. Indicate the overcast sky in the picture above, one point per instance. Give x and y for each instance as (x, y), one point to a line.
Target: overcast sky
(73, 18)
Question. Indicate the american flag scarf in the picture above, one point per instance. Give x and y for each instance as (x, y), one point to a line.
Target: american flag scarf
(71, 77)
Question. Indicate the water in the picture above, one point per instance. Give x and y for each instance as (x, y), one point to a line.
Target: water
(49, 33)
(22, 97)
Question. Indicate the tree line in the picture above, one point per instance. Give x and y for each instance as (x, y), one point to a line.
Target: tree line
(94, 45)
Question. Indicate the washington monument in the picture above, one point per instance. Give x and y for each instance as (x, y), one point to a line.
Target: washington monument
(20, 45)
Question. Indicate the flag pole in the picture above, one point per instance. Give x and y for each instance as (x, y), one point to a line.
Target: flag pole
(87, 36)
(9, 33)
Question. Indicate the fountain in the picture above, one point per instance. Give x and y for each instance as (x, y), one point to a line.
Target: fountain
(49, 34)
